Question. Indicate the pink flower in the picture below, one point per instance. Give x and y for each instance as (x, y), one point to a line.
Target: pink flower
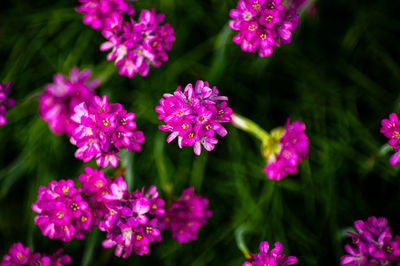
(102, 130)
(271, 257)
(186, 215)
(5, 102)
(57, 103)
(194, 116)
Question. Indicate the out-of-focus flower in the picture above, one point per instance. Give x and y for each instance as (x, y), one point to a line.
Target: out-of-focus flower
(103, 129)
(20, 255)
(374, 244)
(57, 103)
(285, 149)
(186, 215)
(138, 45)
(100, 14)
(271, 257)
(5, 102)
(194, 116)
(62, 212)
(262, 24)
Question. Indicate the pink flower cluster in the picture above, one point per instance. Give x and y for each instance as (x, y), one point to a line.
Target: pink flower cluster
(100, 14)
(374, 244)
(20, 255)
(63, 213)
(194, 116)
(262, 24)
(391, 129)
(130, 219)
(5, 102)
(57, 103)
(292, 149)
(102, 130)
(186, 215)
(272, 258)
(137, 45)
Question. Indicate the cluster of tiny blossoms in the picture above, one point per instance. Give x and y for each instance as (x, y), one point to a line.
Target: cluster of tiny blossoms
(102, 130)
(57, 103)
(262, 24)
(5, 102)
(391, 129)
(272, 258)
(63, 213)
(20, 255)
(285, 149)
(101, 14)
(193, 116)
(186, 215)
(374, 244)
(137, 45)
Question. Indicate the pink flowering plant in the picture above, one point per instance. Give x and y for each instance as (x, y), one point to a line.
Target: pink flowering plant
(103, 129)
(262, 24)
(273, 257)
(58, 100)
(391, 130)
(20, 255)
(194, 116)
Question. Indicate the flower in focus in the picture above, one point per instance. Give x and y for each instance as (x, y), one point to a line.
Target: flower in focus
(374, 244)
(137, 45)
(5, 102)
(262, 24)
(194, 116)
(63, 213)
(271, 257)
(101, 13)
(130, 219)
(103, 129)
(57, 103)
(391, 129)
(20, 255)
(186, 215)
(285, 149)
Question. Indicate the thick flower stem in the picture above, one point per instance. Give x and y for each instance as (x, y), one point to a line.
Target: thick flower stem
(249, 126)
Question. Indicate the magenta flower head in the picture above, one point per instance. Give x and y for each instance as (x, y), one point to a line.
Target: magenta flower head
(57, 103)
(130, 219)
(100, 14)
(391, 129)
(374, 244)
(20, 255)
(186, 215)
(5, 102)
(194, 116)
(262, 24)
(62, 212)
(103, 129)
(137, 45)
(271, 257)
(284, 149)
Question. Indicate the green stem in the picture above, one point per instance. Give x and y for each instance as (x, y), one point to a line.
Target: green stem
(166, 186)
(240, 240)
(249, 126)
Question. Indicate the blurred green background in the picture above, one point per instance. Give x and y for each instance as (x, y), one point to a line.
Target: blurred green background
(340, 75)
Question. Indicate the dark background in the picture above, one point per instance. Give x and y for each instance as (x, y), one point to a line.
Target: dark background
(340, 75)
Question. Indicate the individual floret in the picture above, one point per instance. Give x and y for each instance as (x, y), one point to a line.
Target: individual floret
(57, 103)
(103, 129)
(194, 116)
(186, 215)
(391, 129)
